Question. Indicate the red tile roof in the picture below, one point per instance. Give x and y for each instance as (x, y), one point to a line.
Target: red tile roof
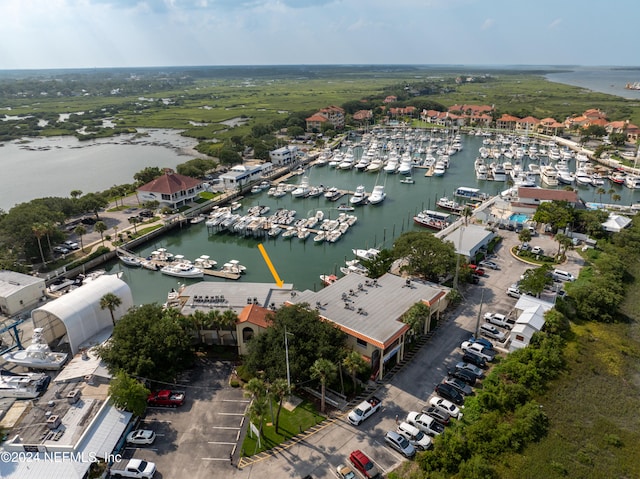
(170, 183)
(317, 117)
(256, 314)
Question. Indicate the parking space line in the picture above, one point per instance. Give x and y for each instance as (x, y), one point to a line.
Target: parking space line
(215, 459)
(225, 427)
(236, 400)
(231, 413)
(216, 442)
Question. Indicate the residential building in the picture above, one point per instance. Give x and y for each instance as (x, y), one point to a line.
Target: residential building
(285, 155)
(507, 122)
(171, 190)
(334, 115)
(242, 175)
(252, 321)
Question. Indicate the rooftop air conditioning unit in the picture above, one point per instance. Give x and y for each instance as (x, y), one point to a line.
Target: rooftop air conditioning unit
(73, 396)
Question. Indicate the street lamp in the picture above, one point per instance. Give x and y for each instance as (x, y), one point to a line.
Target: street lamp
(286, 351)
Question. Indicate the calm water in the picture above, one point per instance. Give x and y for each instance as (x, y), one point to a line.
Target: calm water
(600, 79)
(56, 166)
(301, 263)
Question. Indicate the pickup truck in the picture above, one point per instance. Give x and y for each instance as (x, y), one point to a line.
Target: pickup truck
(477, 348)
(135, 468)
(363, 410)
(166, 398)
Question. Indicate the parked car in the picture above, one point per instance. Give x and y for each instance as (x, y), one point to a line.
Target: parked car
(478, 349)
(464, 375)
(492, 332)
(484, 341)
(560, 275)
(345, 472)
(497, 319)
(514, 291)
(489, 264)
(477, 372)
(363, 464)
(462, 387)
(141, 436)
(524, 247)
(425, 423)
(475, 359)
(60, 249)
(146, 214)
(475, 269)
(449, 392)
(447, 406)
(537, 250)
(400, 443)
(416, 437)
(438, 414)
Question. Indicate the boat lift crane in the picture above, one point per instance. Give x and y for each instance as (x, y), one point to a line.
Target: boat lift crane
(13, 331)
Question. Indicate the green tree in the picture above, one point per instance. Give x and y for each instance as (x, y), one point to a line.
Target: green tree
(128, 393)
(80, 230)
(279, 389)
(354, 363)
(75, 194)
(557, 214)
(134, 220)
(536, 279)
(100, 227)
(39, 231)
(564, 242)
(616, 198)
(308, 338)
(379, 265)
(149, 342)
(147, 175)
(93, 203)
(111, 302)
(425, 255)
(600, 191)
(325, 371)
(416, 317)
(525, 235)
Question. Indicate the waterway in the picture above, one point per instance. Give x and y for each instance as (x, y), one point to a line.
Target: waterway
(301, 263)
(611, 80)
(41, 167)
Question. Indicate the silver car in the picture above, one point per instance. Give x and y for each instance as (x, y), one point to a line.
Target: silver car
(400, 444)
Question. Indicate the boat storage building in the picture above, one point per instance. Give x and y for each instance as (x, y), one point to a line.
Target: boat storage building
(19, 292)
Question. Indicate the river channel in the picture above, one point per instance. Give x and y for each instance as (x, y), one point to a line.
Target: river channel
(302, 262)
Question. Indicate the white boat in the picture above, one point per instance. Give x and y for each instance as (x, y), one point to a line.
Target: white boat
(131, 261)
(632, 182)
(377, 195)
(549, 175)
(354, 268)
(450, 205)
(22, 386)
(345, 207)
(205, 262)
(182, 270)
(375, 165)
(289, 233)
(439, 169)
(534, 168)
(359, 196)
(197, 219)
(149, 264)
(368, 254)
(37, 355)
(233, 266)
(328, 279)
(392, 164)
(597, 179)
(331, 193)
(303, 189)
(405, 165)
(320, 237)
(481, 168)
(498, 172)
(583, 178)
(470, 193)
(566, 177)
(408, 180)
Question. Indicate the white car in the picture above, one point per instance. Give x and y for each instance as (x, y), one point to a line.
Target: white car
(497, 319)
(141, 436)
(447, 406)
(425, 423)
(490, 331)
(477, 348)
(489, 264)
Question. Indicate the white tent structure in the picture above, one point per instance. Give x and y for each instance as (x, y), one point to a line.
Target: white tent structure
(616, 223)
(78, 316)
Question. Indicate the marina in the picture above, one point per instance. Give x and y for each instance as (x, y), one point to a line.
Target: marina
(301, 260)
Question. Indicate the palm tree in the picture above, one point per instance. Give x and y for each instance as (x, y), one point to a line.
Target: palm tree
(324, 370)
(354, 364)
(255, 388)
(229, 319)
(279, 389)
(466, 213)
(257, 412)
(48, 229)
(111, 302)
(600, 191)
(610, 192)
(100, 227)
(199, 320)
(616, 198)
(214, 318)
(561, 239)
(134, 221)
(80, 230)
(75, 194)
(39, 231)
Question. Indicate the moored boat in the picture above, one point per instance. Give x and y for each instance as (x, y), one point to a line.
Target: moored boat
(182, 270)
(450, 205)
(328, 279)
(37, 355)
(22, 385)
(377, 195)
(432, 219)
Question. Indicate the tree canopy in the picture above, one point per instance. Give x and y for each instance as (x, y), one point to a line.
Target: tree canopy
(149, 342)
(426, 256)
(309, 338)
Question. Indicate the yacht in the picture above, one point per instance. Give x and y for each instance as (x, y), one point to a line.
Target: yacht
(632, 182)
(377, 195)
(367, 254)
(37, 355)
(439, 169)
(566, 177)
(359, 196)
(22, 386)
(405, 165)
(498, 172)
(549, 175)
(303, 189)
(481, 168)
(182, 270)
(375, 165)
(392, 164)
(583, 178)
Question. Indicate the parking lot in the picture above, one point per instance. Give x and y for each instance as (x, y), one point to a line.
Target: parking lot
(196, 439)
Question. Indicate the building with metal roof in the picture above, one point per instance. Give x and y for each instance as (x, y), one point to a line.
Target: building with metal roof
(19, 292)
(469, 240)
(370, 311)
(77, 316)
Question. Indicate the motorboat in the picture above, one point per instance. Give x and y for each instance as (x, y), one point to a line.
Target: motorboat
(328, 279)
(359, 196)
(450, 205)
(617, 177)
(205, 262)
(566, 177)
(320, 237)
(37, 355)
(597, 179)
(470, 193)
(149, 264)
(331, 193)
(377, 195)
(22, 385)
(632, 182)
(439, 169)
(182, 270)
(408, 180)
(197, 219)
(234, 267)
(345, 207)
(549, 175)
(303, 234)
(405, 166)
(367, 254)
(356, 268)
(481, 168)
(498, 172)
(130, 261)
(432, 219)
(583, 178)
(303, 189)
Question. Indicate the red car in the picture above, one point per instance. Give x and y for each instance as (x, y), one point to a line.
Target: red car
(476, 270)
(363, 464)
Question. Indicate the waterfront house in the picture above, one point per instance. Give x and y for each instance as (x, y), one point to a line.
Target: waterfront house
(284, 156)
(334, 115)
(370, 313)
(549, 126)
(507, 122)
(242, 175)
(171, 190)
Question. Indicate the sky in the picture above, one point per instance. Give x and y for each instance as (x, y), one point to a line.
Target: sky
(41, 34)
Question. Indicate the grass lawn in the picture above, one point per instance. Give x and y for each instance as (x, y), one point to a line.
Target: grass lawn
(291, 423)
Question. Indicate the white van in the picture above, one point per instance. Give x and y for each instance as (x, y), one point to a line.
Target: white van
(415, 436)
(560, 275)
